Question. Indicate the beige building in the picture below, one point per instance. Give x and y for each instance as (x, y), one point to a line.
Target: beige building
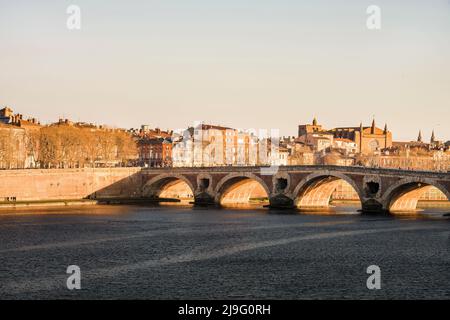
(13, 151)
(22, 151)
(367, 139)
(435, 161)
(347, 145)
(319, 140)
(300, 154)
(305, 129)
(211, 145)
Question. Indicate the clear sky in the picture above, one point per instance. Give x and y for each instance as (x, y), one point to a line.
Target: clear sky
(240, 63)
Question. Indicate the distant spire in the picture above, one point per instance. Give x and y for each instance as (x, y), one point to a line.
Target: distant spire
(385, 132)
(314, 121)
(433, 138)
(419, 138)
(361, 133)
(372, 130)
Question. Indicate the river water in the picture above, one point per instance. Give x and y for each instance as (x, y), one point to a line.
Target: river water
(175, 252)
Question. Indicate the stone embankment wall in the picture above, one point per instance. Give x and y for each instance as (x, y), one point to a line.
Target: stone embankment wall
(59, 184)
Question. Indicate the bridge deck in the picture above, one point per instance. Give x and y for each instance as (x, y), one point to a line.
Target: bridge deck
(306, 168)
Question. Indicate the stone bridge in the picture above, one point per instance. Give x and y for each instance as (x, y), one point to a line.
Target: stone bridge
(303, 186)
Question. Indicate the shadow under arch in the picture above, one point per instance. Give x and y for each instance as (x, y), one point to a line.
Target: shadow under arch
(241, 189)
(169, 186)
(404, 195)
(315, 190)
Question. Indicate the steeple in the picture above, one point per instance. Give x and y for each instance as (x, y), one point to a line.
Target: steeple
(314, 123)
(385, 132)
(433, 138)
(419, 137)
(372, 129)
(360, 136)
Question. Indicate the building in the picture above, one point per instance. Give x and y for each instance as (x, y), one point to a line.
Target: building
(334, 157)
(367, 139)
(300, 154)
(155, 152)
(305, 129)
(28, 136)
(6, 115)
(347, 145)
(211, 145)
(435, 143)
(319, 140)
(182, 152)
(13, 151)
(415, 155)
(148, 132)
(434, 161)
(279, 157)
(154, 146)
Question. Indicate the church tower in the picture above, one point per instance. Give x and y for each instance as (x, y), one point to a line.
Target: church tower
(361, 129)
(419, 137)
(372, 129)
(433, 138)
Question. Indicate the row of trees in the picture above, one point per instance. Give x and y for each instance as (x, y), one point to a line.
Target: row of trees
(64, 146)
(11, 147)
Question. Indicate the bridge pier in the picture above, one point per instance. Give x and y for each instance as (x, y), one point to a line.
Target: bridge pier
(372, 206)
(281, 201)
(204, 199)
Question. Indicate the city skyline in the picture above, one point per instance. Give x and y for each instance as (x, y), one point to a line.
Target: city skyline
(423, 135)
(270, 65)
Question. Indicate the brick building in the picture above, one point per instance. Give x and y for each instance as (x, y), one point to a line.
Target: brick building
(154, 146)
(367, 139)
(155, 152)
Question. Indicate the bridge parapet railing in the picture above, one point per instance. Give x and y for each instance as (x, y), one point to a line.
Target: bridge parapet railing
(306, 168)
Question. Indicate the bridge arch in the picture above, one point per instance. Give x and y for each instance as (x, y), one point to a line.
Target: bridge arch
(155, 187)
(315, 190)
(404, 195)
(233, 181)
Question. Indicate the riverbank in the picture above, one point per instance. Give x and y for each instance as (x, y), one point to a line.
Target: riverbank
(46, 203)
(82, 202)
